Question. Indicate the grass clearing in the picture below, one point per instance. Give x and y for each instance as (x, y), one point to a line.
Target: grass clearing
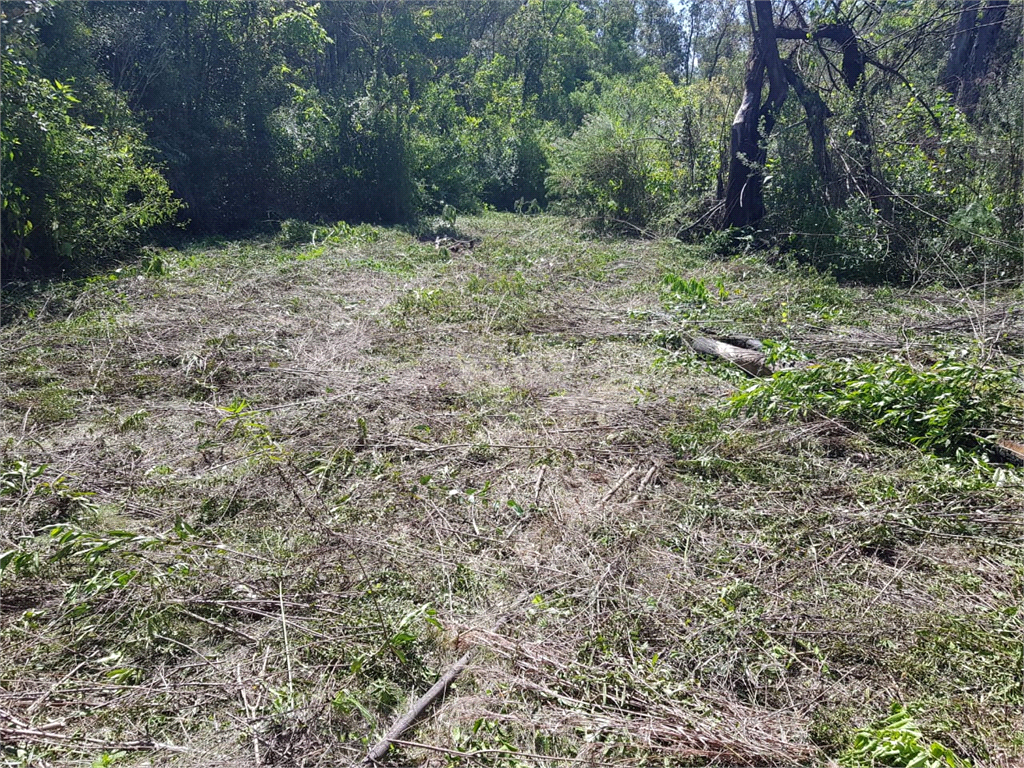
(257, 500)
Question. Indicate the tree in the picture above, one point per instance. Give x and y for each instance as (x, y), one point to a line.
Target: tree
(971, 51)
(754, 121)
(79, 183)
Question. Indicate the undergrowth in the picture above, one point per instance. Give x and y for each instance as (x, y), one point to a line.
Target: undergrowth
(953, 405)
(256, 496)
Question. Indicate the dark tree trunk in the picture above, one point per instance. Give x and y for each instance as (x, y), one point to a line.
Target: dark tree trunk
(960, 48)
(970, 51)
(817, 113)
(754, 121)
(981, 54)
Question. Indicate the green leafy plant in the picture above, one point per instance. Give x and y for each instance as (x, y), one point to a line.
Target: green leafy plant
(949, 406)
(692, 290)
(30, 498)
(618, 167)
(343, 232)
(245, 423)
(898, 742)
(294, 232)
(685, 297)
(72, 191)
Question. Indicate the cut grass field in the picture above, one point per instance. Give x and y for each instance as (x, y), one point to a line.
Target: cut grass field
(256, 498)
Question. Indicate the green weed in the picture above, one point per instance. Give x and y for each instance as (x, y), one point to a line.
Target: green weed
(49, 404)
(952, 405)
(294, 232)
(898, 742)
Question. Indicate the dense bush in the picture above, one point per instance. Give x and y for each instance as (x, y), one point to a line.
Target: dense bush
(934, 195)
(618, 167)
(384, 188)
(72, 192)
(953, 404)
(647, 150)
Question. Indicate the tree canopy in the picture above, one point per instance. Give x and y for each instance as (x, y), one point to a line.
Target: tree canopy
(873, 137)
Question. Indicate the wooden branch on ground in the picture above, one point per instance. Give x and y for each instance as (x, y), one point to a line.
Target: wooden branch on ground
(1009, 451)
(537, 485)
(380, 749)
(749, 360)
(611, 491)
(643, 484)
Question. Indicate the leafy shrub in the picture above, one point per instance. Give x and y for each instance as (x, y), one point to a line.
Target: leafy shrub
(942, 204)
(442, 143)
(294, 231)
(72, 192)
(897, 742)
(946, 407)
(689, 298)
(646, 150)
(385, 189)
(616, 168)
(343, 232)
(509, 142)
(604, 172)
(309, 174)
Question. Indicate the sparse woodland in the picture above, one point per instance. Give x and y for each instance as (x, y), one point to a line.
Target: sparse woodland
(652, 373)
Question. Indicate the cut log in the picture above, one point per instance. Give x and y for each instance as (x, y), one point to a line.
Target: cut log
(750, 361)
(1010, 452)
(740, 340)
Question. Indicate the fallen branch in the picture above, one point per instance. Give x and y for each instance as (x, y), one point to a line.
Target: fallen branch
(632, 471)
(1009, 451)
(380, 749)
(741, 340)
(749, 360)
(643, 484)
(45, 736)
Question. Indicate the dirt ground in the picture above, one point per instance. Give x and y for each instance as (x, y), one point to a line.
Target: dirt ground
(257, 498)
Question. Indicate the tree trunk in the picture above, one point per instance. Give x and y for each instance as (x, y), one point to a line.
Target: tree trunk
(970, 51)
(981, 54)
(754, 121)
(960, 48)
(817, 112)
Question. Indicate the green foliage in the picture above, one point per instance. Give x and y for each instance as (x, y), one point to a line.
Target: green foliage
(294, 232)
(898, 742)
(686, 298)
(616, 168)
(72, 192)
(619, 111)
(508, 140)
(32, 500)
(443, 142)
(934, 205)
(644, 152)
(387, 190)
(343, 232)
(952, 405)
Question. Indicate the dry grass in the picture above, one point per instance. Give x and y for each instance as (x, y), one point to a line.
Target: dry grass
(316, 477)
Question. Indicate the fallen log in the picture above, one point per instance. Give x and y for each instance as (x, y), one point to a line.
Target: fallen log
(741, 340)
(380, 749)
(1009, 452)
(749, 360)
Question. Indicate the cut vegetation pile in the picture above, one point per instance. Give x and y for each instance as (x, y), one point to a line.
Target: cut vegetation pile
(257, 497)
